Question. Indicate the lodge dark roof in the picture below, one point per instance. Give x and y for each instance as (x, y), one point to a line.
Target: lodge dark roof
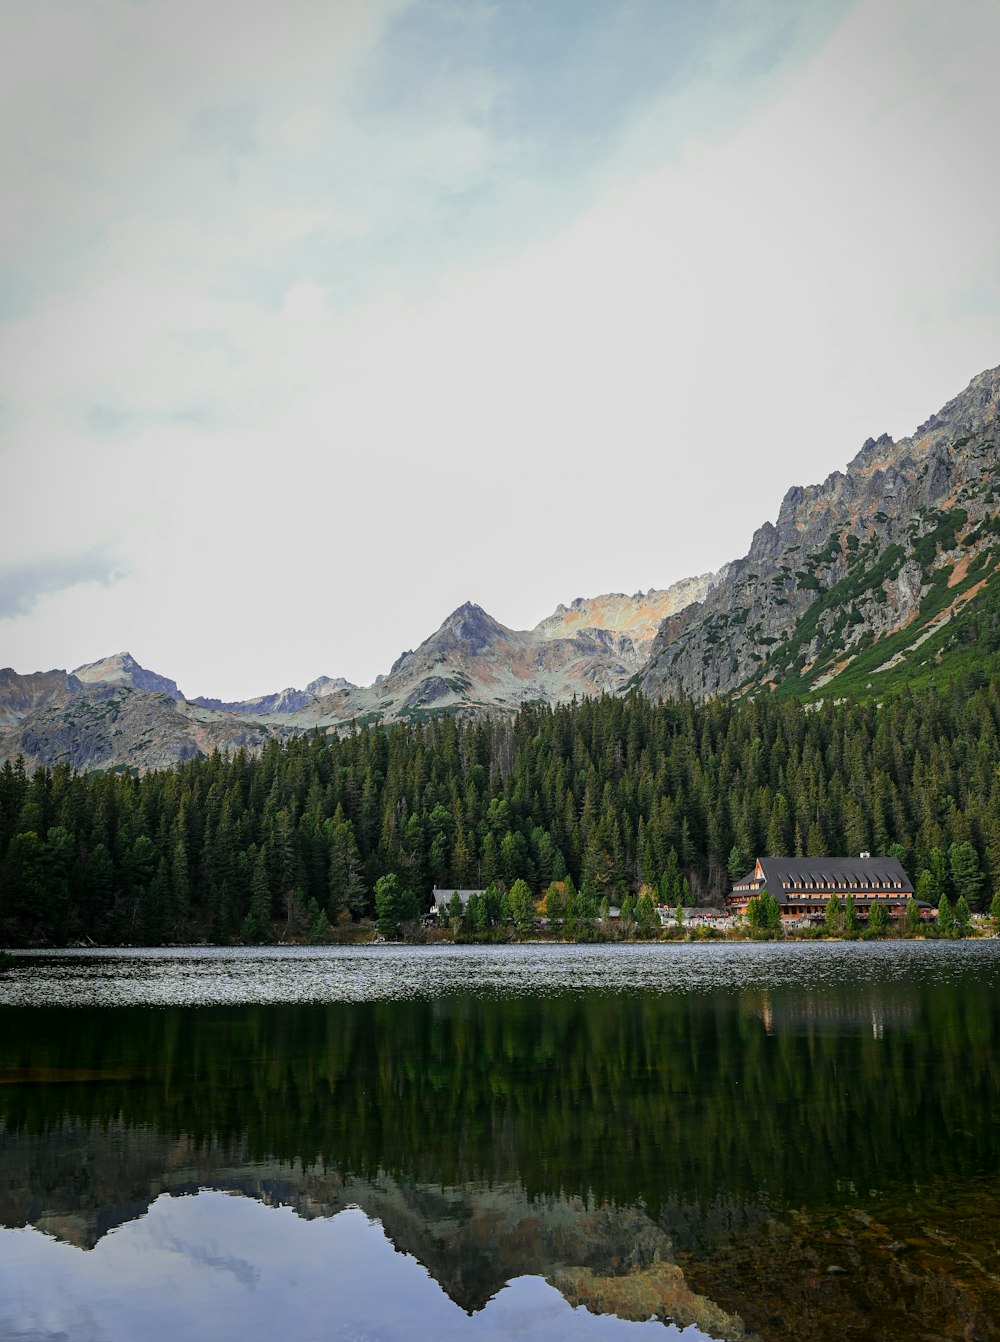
(827, 874)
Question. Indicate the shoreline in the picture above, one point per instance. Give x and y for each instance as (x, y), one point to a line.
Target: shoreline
(12, 954)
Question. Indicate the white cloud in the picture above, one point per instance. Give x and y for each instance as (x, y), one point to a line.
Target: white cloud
(311, 447)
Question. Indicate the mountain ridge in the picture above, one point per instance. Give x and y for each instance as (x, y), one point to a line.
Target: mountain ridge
(882, 574)
(850, 564)
(114, 713)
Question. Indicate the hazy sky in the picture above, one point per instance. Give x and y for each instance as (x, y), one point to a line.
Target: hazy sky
(318, 319)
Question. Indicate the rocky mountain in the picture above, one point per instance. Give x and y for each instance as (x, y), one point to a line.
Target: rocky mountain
(116, 714)
(113, 726)
(22, 695)
(123, 669)
(883, 573)
(639, 616)
(285, 701)
(472, 663)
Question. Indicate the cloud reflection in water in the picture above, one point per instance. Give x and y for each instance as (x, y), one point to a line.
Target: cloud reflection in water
(214, 1266)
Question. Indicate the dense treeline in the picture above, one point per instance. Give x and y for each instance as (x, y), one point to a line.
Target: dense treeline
(616, 794)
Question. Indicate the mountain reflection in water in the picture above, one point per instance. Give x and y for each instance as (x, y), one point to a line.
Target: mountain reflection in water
(753, 1158)
(212, 1267)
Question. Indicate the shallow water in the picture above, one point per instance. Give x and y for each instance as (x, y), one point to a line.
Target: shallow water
(531, 1141)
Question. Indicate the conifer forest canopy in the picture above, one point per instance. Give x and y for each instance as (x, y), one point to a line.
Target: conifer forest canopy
(614, 793)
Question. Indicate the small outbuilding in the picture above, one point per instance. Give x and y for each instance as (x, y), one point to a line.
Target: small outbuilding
(443, 898)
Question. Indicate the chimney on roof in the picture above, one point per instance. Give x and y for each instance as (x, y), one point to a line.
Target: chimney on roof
(865, 857)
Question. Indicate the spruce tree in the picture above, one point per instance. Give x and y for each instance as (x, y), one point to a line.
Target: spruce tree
(878, 921)
(963, 916)
(522, 906)
(945, 918)
(834, 918)
(645, 916)
(850, 915)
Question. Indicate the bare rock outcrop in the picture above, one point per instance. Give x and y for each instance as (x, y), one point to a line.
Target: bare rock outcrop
(849, 563)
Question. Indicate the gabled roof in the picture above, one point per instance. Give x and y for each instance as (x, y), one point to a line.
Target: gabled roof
(821, 873)
(442, 898)
(826, 875)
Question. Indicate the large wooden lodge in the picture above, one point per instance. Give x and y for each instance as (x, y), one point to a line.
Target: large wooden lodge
(804, 886)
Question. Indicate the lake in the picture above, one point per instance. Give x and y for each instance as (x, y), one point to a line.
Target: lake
(560, 1142)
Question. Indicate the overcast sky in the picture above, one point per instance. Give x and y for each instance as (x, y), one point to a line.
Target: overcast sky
(318, 319)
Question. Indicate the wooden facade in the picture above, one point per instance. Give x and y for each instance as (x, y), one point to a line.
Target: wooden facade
(804, 886)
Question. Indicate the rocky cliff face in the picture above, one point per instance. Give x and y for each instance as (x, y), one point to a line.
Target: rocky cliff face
(860, 575)
(113, 726)
(475, 664)
(639, 616)
(21, 695)
(123, 669)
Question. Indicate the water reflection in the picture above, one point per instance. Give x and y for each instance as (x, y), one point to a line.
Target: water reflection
(211, 1267)
(810, 1013)
(748, 1150)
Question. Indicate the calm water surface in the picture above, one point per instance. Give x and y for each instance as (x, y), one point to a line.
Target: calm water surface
(528, 1142)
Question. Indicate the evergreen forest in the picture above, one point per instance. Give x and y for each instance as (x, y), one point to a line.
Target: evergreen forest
(614, 797)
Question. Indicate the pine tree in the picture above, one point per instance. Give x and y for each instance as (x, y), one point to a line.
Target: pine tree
(772, 912)
(945, 918)
(834, 918)
(645, 916)
(626, 914)
(966, 873)
(963, 916)
(319, 924)
(522, 905)
(736, 864)
(555, 903)
(394, 905)
(878, 921)
(850, 915)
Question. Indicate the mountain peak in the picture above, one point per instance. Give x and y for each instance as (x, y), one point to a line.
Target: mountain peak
(122, 668)
(473, 629)
(469, 630)
(329, 685)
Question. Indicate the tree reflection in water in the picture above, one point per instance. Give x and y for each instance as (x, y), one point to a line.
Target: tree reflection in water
(818, 1162)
